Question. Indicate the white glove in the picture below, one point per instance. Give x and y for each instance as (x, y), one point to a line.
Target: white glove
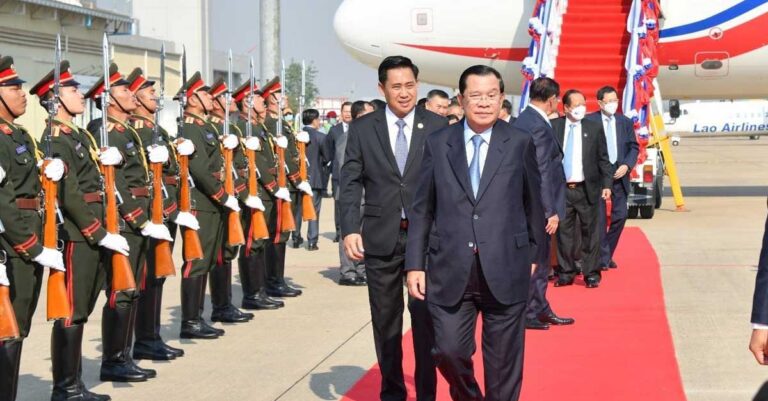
(158, 154)
(3, 276)
(157, 231)
(282, 142)
(188, 220)
(54, 170)
(50, 258)
(2, 174)
(253, 143)
(304, 187)
(231, 203)
(185, 147)
(283, 194)
(115, 242)
(231, 141)
(254, 202)
(110, 157)
(302, 136)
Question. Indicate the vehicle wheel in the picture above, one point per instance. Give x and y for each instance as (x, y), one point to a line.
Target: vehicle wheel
(647, 211)
(754, 137)
(658, 188)
(632, 212)
(675, 143)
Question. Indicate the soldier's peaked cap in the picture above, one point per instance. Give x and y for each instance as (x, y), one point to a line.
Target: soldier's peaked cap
(273, 86)
(8, 75)
(115, 79)
(137, 80)
(45, 85)
(193, 84)
(242, 91)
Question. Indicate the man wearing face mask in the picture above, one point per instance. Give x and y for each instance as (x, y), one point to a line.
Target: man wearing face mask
(589, 177)
(622, 153)
(549, 155)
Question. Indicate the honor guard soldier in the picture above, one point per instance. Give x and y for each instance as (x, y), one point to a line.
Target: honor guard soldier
(252, 262)
(276, 284)
(131, 182)
(82, 233)
(221, 275)
(209, 202)
(149, 344)
(22, 251)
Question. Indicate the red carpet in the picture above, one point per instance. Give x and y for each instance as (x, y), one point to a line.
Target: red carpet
(619, 349)
(593, 44)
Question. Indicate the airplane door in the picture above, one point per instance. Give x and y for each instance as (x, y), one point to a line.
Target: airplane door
(712, 65)
(421, 20)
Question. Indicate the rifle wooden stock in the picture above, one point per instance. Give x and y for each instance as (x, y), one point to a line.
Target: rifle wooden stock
(235, 235)
(163, 256)
(307, 207)
(193, 249)
(57, 301)
(286, 221)
(122, 274)
(9, 327)
(258, 222)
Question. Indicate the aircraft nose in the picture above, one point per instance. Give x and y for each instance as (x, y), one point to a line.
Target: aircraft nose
(355, 26)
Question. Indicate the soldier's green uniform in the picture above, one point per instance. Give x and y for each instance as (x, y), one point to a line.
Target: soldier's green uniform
(149, 344)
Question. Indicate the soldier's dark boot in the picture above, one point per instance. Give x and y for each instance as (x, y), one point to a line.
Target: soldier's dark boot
(218, 331)
(276, 285)
(66, 349)
(221, 296)
(148, 344)
(158, 312)
(191, 310)
(151, 373)
(10, 358)
(252, 276)
(115, 365)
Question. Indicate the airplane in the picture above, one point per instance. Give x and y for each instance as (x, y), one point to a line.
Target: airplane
(707, 49)
(719, 118)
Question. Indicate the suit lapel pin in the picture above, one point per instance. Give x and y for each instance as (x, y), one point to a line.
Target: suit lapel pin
(419, 125)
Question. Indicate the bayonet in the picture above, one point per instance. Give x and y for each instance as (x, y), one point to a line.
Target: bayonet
(160, 97)
(249, 102)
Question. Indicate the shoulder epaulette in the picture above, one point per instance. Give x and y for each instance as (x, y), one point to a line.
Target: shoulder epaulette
(110, 126)
(56, 130)
(189, 120)
(137, 123)
(6, 129)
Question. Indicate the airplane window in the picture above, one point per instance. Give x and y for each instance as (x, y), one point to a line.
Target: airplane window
(685, 112)
(421, 20)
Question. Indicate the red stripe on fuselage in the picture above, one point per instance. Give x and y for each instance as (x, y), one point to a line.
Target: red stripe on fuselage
(510, 54)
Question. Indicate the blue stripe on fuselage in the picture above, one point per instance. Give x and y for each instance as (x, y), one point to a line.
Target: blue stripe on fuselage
(713, 21)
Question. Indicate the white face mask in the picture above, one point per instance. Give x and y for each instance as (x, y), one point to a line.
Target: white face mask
(610, 108)
(578, 112)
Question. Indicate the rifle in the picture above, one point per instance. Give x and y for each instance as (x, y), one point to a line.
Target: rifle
(235, 236)
(285, 213)
(9, 327)
(258, 223)
(193, 249)
(57, 301)
(122, 274)
(307, 207)
(163, 255)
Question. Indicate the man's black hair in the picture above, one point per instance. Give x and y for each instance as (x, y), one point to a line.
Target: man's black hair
(481, 70)
(604, 91)
(393, 62)
(507, 105)
(567, 96)
(358, 108)
(309, 115)
(544, 88)
(437, 93)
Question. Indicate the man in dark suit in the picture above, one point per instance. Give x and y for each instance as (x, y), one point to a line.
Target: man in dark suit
(311, 120)
(475, 220)
(335, 144)
(383, 158)
(622, 153)
(589, 177)
(506, 112)
(758, 344)
(544, 95)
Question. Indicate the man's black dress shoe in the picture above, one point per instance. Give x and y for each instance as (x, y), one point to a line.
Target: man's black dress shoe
(592, 282)
(536, 324)
(555, 320)
(336, 238)
(283, 290)
(312, 247)
(195, 329)
(230, 315)
(562, 282)
(349, 281)
(361, 280)
(612, 265)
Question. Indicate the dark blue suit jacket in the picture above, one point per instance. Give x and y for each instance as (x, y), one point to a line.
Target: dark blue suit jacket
(504, 222)
(760, 299)
(626, 144)
(315, 158)
(549, 155)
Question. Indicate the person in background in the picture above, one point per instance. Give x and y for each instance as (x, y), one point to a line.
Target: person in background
(438, 102)
(330, 121)
(622, 153)
(506, 112)
(758, 344)
(335, 143)
(452, 119)
(327, 166)
(455, 109)
(311, 120)
(360, 108)
(378, 104)
(422, 102)
(589, 177)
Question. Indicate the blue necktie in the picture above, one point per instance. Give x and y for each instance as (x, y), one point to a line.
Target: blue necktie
(610, 140)
(474, 166)
(401, 146)
(569, 154)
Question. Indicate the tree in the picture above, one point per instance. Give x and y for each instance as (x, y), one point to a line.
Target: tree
(293, 85)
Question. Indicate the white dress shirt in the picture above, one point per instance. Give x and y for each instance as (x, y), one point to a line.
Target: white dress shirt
(577, 170)
(470, 147)
(345, 126)
(541, 113)
(610, 120)
(393, 128)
